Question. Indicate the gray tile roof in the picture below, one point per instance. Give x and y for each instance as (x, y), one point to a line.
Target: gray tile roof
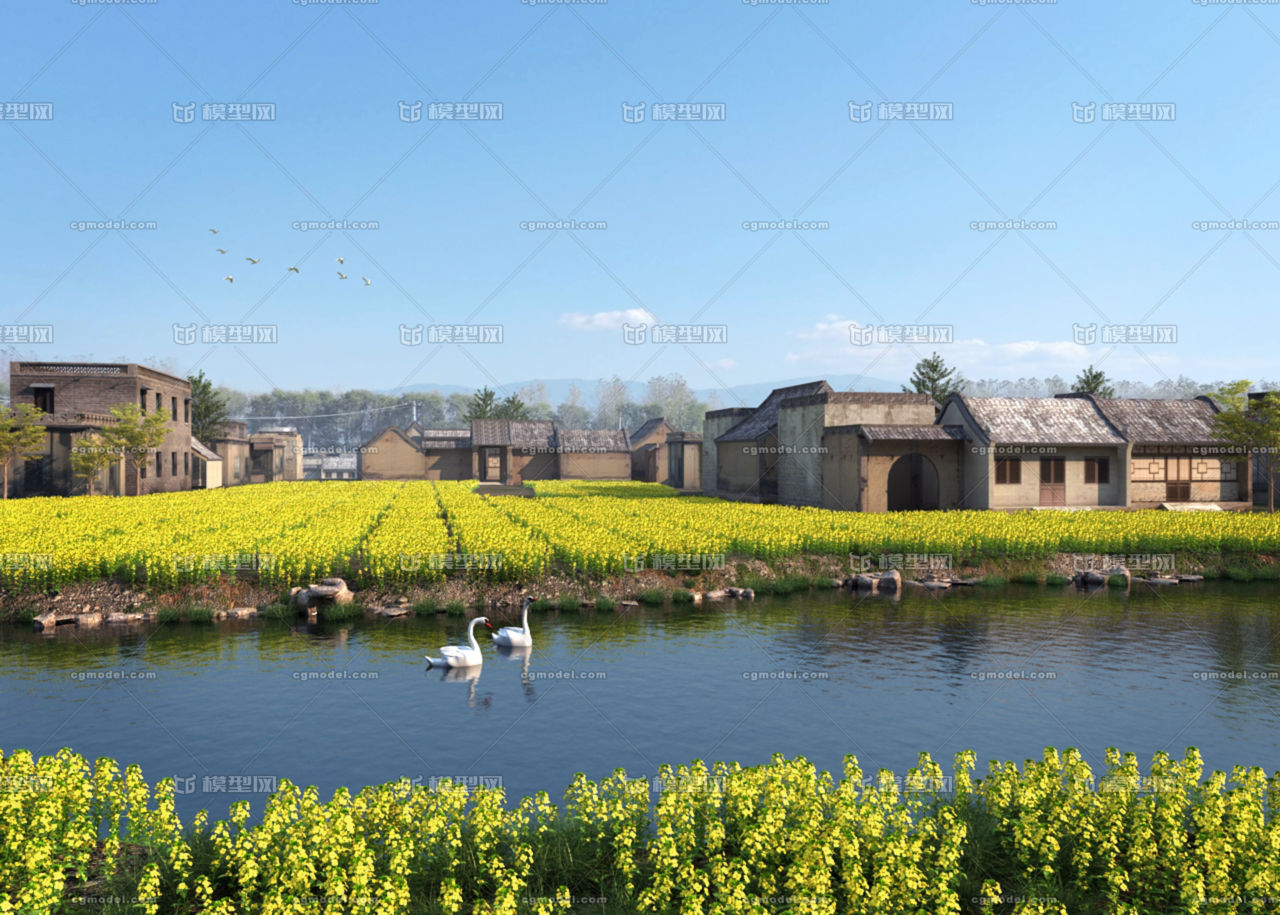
(490, 432)
(765, 416)
(647, 427)
(1160, 422)
(1041, 421)
(593, 441)
(532, 433)
(886, 433)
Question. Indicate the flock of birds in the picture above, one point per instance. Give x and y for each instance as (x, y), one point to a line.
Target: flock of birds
(469, 655)
(253, 260)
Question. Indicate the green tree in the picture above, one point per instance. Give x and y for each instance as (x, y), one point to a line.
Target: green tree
(512, 407)
(1251, 427)
(484, 405)
(933, 377)
(1093, 381)
(134, 433)
(21, 432)
(208, 409)
(90, 455)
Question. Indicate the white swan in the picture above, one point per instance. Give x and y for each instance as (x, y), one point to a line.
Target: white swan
(461, 655)
(512, 637)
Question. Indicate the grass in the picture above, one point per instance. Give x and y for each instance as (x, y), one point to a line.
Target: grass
(1239, 573)
(1266, 573)
(652, 596)
(1026, 578)
(426, 605)
(567, 602)
(1053, 578)
(168, 615)
(1117, 581)
(280, 610)
(690, 583)
(993, 581)
(198, 615)
(336, 612)
(682, 596)
(455, 608)
(603, 602)
(541, 604)
(789, 584)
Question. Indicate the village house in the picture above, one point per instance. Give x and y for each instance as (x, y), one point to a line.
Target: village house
(206, 466)
(268, 455)
(77, 399)
(501, 451)
(810, 445)
(330, 466)
(661, 453)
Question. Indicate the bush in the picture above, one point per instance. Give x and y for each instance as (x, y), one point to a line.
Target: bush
(789, 584)
(168, 615)
(605, 603)
(681, 596)
(1053, 578)
(568, 602)
(338, 612)
(426, 605)
(1117, 581)
(1027, 578)
(1239, 573)
(199, 615)
(992, 581)
(277, 611)
(653, 596)
(541, 604)
(1266, 573)
(455, 608)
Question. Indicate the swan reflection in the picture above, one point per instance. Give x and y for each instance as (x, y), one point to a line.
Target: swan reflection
(521, 654)
(469, 676)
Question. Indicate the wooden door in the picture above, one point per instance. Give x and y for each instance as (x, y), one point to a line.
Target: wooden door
(492, 465)
(1053, 481)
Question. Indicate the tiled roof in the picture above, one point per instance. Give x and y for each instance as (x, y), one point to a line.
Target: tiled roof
(884, 433)
(765, 416)
(490, 432)
(647, 427)
(593, 441)
(204, 452)
(1041, 420)
(532, 433)
(1160, 422)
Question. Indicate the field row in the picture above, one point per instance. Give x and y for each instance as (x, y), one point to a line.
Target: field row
(394, 532)
(697, 840)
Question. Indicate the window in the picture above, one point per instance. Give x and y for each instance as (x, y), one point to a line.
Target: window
(142, 400)
(1008, 470)
(173, 463)
(1053, 471)
(1097, 470)
(186, 462)
(142, 471)
(159, 465)
(186, 410)
(44, 399)
(173, 408)
(159, 401)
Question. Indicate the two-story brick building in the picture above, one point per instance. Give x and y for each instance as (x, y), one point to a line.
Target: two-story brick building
(76, 398)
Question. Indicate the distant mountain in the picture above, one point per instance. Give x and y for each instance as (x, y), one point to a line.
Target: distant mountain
(737, 395)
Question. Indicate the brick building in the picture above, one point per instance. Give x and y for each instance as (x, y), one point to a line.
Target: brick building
(77, 398)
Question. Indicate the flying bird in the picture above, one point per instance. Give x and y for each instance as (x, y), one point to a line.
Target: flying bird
(221, 250)
(214, 231)
(294, 269)
(340, 260)
(341, 275)
(366, 281)
(251, 260)
(229, 279)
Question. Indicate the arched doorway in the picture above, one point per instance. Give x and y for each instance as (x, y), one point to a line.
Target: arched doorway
(913, 483)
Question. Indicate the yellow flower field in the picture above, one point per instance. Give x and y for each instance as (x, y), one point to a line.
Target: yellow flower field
(384, 532)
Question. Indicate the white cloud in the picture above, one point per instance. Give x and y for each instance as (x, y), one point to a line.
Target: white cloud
(725, 363)
(606, 320)
(827, 345)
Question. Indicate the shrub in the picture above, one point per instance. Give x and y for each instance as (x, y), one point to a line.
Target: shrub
(652, 596)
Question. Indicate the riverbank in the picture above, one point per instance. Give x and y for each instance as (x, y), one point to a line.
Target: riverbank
(1046, 837)
(107, 602)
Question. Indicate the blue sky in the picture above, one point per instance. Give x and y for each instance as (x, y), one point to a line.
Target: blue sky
(449, 197)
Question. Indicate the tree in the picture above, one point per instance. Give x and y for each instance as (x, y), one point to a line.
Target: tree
(932, 377)
(1094, 381)
(483, 405)
(571, 414)
(1251, 427)
(611, 400)
(20, 433)
(208, 409)
(535, 400)
(669, 396)
(512, 407)
(134, 433)
(90, 455)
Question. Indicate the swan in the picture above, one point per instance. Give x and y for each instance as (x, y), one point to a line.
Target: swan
(461, 655)
(512, 637)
